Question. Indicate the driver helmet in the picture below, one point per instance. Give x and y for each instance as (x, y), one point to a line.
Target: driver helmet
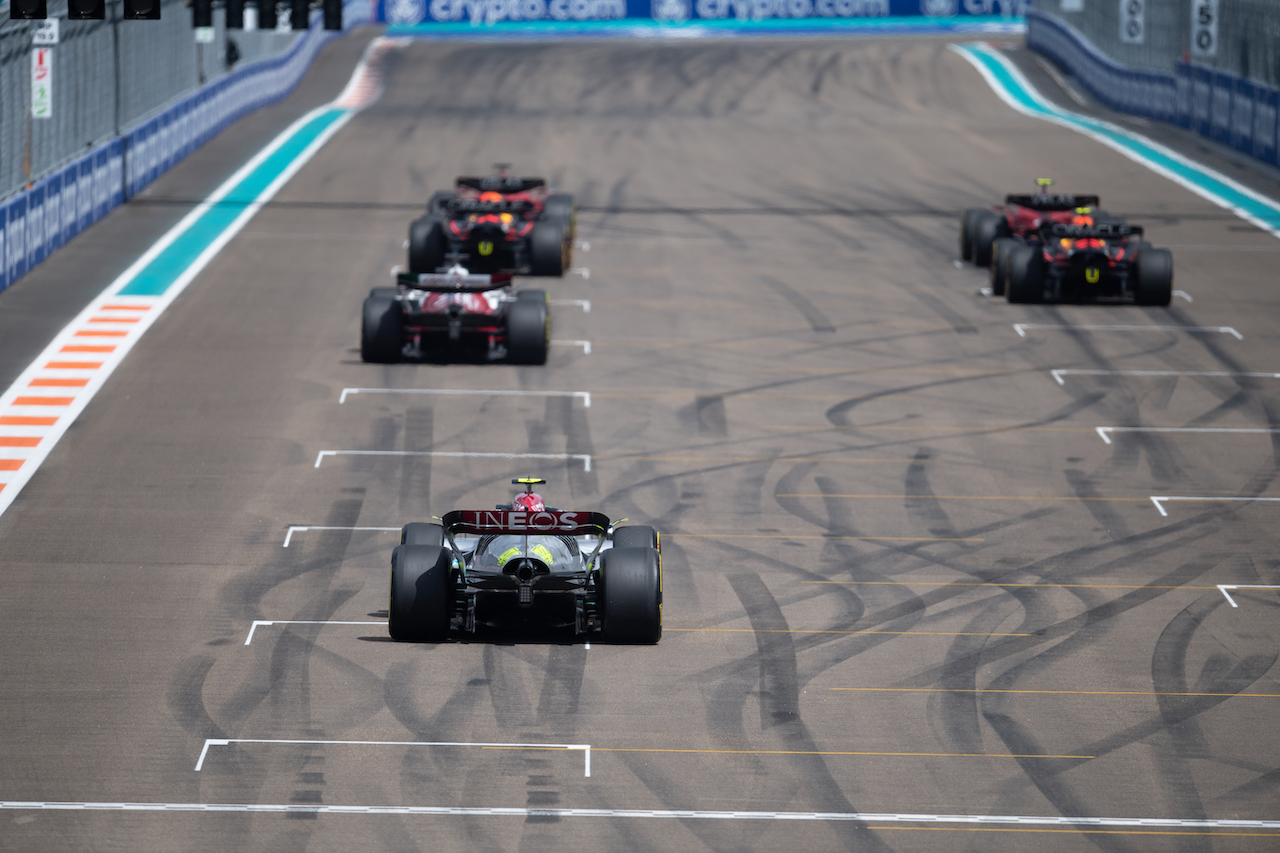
(530, 501)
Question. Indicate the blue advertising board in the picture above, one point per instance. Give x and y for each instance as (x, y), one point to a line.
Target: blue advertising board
(479, 13)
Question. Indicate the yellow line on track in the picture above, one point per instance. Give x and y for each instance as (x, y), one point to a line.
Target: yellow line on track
(820, 631)
(786, 536)
(996, 584)
(824, 752)
(754, 459)
(1144, 499)
(1050, 692)
(1077, 831)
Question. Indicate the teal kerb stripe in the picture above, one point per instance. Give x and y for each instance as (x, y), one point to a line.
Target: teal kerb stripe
(160, 274)
(1186, 170)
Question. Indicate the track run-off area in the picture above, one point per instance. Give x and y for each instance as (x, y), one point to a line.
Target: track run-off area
(940, 572)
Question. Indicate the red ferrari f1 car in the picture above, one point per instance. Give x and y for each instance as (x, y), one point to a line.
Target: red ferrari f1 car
(498, 223)
(526, 563)
(455, 314)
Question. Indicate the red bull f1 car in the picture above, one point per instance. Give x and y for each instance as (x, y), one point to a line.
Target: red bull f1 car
(526, 564)
(1076, 263)
(455, 315)
(498, 223)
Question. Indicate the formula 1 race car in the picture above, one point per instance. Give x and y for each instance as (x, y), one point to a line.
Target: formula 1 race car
(498, 223)
(526, 563)
(1020, 219)
(476, 317)
(1074, 263)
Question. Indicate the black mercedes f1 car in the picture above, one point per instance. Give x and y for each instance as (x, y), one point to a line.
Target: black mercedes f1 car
(506, 566)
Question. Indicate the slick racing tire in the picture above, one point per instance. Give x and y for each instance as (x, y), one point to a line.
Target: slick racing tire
(1026, 275)
(384, 292)
(419, 610)
(528, 328)
(1155, 277)
(422, 533)
(563, 209)
(1001, 250)
(380, 331)
(638, 536)
(427, 244)
(985, 232)
(439, 202)
(968, 219)
(549, 248)
(631, 597)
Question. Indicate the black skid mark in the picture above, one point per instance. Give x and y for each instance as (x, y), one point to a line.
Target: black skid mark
(812, 313)
(1045, 774)
(415, 475)
(507, 694)
(921, 504)
(779, 689)
(1102, 511)
(1096, 618)
(562, 687)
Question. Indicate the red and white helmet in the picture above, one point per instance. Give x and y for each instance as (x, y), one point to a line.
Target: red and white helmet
(529, 501)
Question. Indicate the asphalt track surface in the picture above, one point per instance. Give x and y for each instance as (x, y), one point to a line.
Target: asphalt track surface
(903, 571)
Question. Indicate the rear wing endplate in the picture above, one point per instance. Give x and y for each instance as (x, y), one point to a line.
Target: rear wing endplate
(482, 522)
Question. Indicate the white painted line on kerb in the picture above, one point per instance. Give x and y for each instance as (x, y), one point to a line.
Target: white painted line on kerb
(586, 345)
(653, 814)
(261, 623)
(585, 747)
(585, 396)
(583, 457)
(303, 528)
(585, 303)
(1223, 587)
(1058, 374)
(1160, 500)
(1184, 295)
(1021, 329)
(1105, 430)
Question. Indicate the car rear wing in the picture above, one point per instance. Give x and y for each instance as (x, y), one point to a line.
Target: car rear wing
(470, 205)
(451, 283)
(1110, 231)
(501, 184)
(481, 522)
(1052, 201)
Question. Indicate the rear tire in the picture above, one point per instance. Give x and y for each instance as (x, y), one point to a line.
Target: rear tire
(419, 610)
(632, 595)
(638, 536)
(380, 331)
(1026, 275)
(422, 533)
(968, 219)
(1001, 250)
(549, 248)
(1155, 277)
(384, 292)
(528, 328)
(563, 209)
(427, 244)
(985, 232)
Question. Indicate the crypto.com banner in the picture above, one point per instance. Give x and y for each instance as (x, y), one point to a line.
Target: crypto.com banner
(489, 12)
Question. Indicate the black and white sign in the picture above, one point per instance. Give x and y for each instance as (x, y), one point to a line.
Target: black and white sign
(1204, 28)
(1133, 27)
(46, 33)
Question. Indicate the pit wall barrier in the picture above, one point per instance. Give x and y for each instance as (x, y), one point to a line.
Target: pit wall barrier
(1217, 104)
(37, 221)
